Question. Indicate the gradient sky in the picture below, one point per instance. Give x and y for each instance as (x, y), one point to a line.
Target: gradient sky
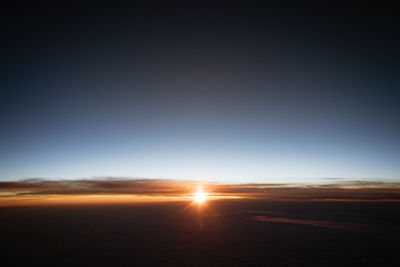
(233, 93)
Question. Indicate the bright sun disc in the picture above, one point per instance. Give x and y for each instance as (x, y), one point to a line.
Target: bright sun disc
(200, 196)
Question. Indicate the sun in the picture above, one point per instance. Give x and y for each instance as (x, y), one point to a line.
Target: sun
(200, 196)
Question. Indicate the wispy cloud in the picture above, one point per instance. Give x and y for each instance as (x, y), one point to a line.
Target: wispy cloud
(314, 223)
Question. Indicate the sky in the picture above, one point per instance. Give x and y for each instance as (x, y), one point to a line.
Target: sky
(238, 94)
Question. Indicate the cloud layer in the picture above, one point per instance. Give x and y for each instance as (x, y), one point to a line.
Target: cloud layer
(110, 188)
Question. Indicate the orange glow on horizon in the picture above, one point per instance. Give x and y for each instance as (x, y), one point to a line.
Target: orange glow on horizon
(197, 193)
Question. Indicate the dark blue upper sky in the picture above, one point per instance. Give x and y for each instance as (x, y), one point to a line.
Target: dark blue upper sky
(232, 93)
